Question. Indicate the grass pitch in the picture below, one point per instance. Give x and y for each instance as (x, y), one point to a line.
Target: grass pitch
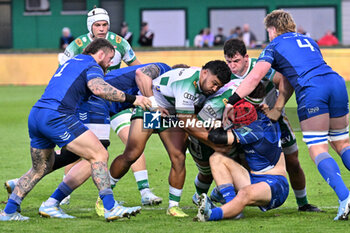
(15, 104)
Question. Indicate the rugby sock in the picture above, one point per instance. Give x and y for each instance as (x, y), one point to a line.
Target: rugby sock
(62, 191)
(330, 172)
(345, 156)
(216, 214)
(141, 178)
(201, 187)
(112, 180)
(12, 204)
(107, 198)
(301, 197)
(227, 191)
(174, 196)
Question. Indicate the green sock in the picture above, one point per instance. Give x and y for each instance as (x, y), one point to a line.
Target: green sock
(142, 184)
(302, 201)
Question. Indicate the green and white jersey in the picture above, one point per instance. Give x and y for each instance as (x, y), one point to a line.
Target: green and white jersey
(212, 110)
(177, 89)
(123, 50)
(215, 104)
(271, 91)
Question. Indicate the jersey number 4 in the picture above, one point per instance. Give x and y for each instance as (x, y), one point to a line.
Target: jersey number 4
(306, 45)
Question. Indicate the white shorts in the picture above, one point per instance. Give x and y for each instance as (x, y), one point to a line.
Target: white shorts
(101, 131)
(121, 120)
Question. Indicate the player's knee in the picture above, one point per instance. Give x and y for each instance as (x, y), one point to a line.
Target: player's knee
(130, 155)
(177, 159)
(101, 155)
(245, 196)
(215, 159)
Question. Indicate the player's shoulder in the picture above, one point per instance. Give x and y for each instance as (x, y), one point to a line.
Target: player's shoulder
(116, 40)
(81, 41)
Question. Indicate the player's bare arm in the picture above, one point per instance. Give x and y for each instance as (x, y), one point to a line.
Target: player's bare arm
(201, 133)
(144, 77)
(285, 92)
(135, 63)
(102, 89)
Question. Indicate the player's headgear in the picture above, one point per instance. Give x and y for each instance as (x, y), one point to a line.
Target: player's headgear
(244, 113)
(96, 14)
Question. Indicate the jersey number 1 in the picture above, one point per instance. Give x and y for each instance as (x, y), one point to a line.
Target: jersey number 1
(307, 45)
(60, 72)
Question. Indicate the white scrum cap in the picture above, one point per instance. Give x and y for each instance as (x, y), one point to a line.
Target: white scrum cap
(96, 14)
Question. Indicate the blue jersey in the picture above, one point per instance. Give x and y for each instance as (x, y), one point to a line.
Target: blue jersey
(123, 79)
(261, 143)
(297, 57)
(68, 86)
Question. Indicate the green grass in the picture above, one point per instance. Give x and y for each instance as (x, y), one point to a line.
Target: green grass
(15, 104)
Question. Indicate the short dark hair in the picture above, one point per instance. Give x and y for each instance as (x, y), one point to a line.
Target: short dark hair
(98, 44)
(220, 69)
(180, 66)
(232, 46)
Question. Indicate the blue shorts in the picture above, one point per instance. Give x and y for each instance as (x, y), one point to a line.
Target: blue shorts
(48, 128)
(279, 189)
(323, 94)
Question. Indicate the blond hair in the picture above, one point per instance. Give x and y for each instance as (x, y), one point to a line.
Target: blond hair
(281, 20)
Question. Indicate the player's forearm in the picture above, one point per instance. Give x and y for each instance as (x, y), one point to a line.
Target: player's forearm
(144, 77)
(104, 90)
(253, 79)
(285, 92)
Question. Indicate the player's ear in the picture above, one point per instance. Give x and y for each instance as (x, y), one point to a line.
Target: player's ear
(101, 55)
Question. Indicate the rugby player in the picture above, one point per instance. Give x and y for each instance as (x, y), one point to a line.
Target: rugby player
(320, 93)
(265, 185)
(241, 64)
(52, 122)
(174, 91)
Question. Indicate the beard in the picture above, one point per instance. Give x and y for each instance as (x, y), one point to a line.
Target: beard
(103, 66)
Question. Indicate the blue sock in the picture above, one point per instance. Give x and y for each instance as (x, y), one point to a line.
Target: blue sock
(330, 172)
(62, 191)
(12, 204)
(11, 207)
(227, 191)
(107, 198)
(345, 156)
(216, 214)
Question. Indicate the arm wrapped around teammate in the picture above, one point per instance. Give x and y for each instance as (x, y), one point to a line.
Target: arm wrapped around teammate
(219, 136)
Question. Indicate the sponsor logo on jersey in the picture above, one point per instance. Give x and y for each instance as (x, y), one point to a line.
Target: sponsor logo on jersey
(224, 100)
(79, 42)
(211, 111)
(195, 84)
(66, 53)
(158, 88)
(112, 37)
(84, 39)
(189, 96)
(118, 39)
